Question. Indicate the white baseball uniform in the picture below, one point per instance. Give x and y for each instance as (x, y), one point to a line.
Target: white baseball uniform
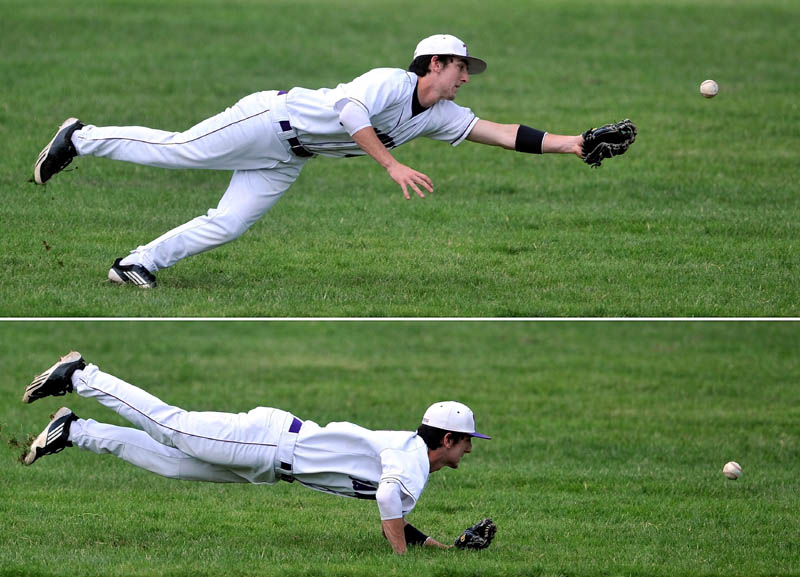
(266, 138)
(261, 446)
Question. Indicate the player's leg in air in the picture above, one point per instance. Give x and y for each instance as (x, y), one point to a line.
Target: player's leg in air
(167, 440)
(241, 139)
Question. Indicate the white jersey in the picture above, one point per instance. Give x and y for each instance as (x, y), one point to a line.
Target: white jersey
(261, 446)
(349, 460)
(266, 138)
(386, 94)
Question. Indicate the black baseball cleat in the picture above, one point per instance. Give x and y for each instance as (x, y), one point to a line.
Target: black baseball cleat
(58, 153)
(55, 381)
(134, 274)
(54, 438)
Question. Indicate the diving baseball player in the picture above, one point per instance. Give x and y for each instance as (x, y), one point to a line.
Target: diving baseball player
(266, 139)
(263, 446)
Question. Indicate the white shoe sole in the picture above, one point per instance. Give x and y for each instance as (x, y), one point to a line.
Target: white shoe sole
(41, 441)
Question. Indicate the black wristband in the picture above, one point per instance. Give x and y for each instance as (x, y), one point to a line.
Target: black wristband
(413, 535)
(529, 140)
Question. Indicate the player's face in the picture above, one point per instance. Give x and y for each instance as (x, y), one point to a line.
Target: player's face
(456, 451)
(452, 77)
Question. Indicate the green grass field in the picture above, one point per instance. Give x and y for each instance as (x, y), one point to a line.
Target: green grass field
(699, 219)
(609, 440)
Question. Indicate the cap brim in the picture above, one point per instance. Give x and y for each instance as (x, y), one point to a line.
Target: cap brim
(480, 436)
(474, 66)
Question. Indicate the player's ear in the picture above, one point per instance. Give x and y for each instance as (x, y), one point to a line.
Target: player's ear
(447, 440)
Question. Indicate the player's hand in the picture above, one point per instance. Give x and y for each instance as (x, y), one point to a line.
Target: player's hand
(407, 178)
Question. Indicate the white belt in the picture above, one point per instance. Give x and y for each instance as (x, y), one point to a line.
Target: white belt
(288, 439)
(283, 128)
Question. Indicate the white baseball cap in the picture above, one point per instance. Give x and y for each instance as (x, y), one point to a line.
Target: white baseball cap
(445, 44)
(451, 416)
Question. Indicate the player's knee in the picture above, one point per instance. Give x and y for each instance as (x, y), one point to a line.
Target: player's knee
(171, 470)
(227, 224)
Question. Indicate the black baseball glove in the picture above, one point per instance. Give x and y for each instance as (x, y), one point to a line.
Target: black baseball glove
(479, 536)
(607, 141)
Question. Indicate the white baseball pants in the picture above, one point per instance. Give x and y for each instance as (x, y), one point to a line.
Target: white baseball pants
(172, 442)
(242, 138)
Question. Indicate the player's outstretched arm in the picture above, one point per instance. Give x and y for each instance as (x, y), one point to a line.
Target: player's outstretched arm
(403, 175)
(524, 139)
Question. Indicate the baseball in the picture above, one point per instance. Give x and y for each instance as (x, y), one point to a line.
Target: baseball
(709, 88)
(732, 470)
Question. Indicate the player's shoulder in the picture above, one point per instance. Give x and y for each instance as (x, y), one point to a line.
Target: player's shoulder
(408, 458)
(447, 106)
(402, 441)
(389, 75)
(447, 111)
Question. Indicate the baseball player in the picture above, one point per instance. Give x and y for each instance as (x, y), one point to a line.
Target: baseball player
(267, 137)
(262, 446)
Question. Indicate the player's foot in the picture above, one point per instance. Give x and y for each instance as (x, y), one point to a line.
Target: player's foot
(55, 381)
(58, 153)
(134, 274)
(54, 438)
